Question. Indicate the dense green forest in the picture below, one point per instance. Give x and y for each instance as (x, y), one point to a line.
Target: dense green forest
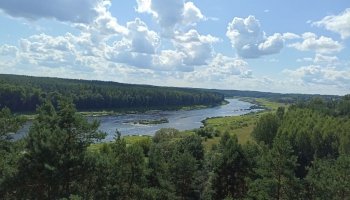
(277, 97)
(23, 93)
(299, 153)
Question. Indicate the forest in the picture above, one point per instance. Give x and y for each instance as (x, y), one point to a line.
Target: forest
(22, 94)
(277, 97)
(302, 152)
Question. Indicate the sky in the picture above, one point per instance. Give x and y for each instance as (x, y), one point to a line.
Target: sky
(285, 46)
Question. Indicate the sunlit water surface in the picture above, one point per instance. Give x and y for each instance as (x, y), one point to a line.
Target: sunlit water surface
(181, 120)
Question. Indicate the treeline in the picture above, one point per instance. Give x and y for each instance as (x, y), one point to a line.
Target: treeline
(277, 97)
(23, 93)
(299, 153)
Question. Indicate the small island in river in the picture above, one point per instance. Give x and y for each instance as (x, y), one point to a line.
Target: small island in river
(149, 122)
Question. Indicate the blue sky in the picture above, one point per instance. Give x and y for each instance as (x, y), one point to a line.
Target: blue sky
(268, 45)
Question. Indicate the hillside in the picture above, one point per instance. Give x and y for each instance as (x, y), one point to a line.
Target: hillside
(23, 93)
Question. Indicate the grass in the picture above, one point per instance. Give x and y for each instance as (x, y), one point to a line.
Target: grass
(242, 125)
(128, 139)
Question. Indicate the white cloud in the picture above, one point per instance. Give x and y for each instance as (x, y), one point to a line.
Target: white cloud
(169, 60)
(42, 50)
(103, 27)
(249, 41)
(80, 11)
(337, 23)
(197, 48)
(308, 35)
(319, 58)
(266, 11)
(290, 36)
(320, 45)
(58, 43)
(167, 13)
(315, 74)
(141, 40)
(304, 59)
(7, 50)
(170, 15)
(191, 15)
(191, 49)
(221, 69)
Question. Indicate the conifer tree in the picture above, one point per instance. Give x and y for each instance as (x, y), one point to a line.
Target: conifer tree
(53, 163)
(8, 156)
(229, 171)
(277, 179)
(8, 124)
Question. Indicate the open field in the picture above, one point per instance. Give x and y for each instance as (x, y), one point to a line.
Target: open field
(128, 139)
(242, 125)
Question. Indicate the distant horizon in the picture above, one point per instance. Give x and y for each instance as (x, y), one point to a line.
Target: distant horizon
(292, 47)
(175, 86)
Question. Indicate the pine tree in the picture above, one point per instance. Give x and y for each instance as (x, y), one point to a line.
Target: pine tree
(329, 178)
(183, 168)
(8, 124)
(277, 179)
(229, 171)
(53, 164)
(8, 156)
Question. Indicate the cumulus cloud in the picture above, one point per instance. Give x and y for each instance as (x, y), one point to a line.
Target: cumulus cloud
(139, 39)
(197, 48)
(315, 74)
(191, 15)
(42, 50)
(290, 36)
(170, 60)
(305, 59)
(229, 66)
(7, 50)
(80, 11)
(191, 49)
(170, 14)
(248, 40)
(337, 23)
(321, 45)
(221, 69)
(308, 35)
(103, 26)
(46, 44)
(319, 58)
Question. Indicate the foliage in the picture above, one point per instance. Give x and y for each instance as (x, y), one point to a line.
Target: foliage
(266, 128)
(23, 93)
(53, 163)
(300, 153)
(276, 177)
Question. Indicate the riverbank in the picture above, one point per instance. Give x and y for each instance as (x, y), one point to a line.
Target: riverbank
(136, 110)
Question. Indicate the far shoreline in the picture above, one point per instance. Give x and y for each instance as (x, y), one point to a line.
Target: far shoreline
(136, 110)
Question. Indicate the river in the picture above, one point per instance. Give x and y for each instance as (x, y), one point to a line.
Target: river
(181, 120)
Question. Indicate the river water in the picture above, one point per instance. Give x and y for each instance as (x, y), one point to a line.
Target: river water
(181, 120)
